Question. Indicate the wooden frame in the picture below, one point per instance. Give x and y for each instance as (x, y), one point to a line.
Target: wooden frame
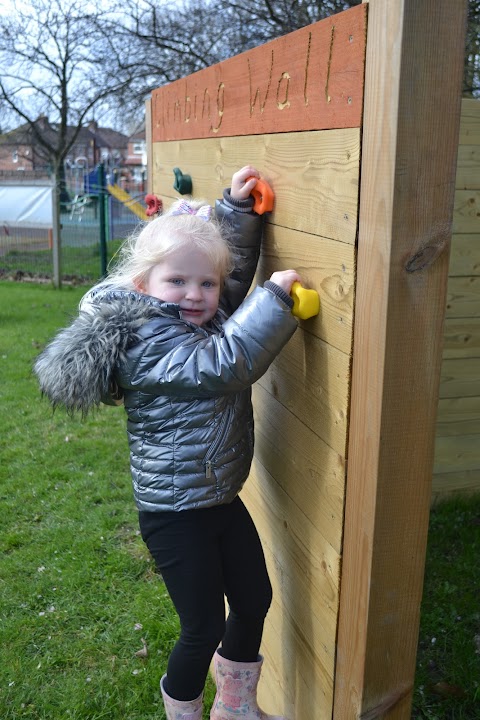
(412, 96)
(341, 635)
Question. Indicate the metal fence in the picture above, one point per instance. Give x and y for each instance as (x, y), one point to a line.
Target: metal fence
(26, 252)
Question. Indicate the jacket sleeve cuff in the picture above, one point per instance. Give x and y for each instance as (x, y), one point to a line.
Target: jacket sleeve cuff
(280, 292)
(243, 206)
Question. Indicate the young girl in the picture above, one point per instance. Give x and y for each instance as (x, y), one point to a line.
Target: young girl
(171, 334)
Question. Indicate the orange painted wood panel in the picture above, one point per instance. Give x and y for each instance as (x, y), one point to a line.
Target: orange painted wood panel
(311, 79)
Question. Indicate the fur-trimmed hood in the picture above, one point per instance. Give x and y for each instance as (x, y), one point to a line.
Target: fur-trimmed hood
(75, 369)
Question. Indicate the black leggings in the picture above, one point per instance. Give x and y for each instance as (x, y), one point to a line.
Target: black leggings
(203, 556)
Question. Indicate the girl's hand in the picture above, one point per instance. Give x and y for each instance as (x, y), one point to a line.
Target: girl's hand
(240, 189)
(285, 279)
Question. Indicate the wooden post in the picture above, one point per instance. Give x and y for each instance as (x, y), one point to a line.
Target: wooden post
(56, 228)
(412, 106)
(148, 142)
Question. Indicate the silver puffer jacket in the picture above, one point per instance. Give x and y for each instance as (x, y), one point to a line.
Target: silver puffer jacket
(186, 389)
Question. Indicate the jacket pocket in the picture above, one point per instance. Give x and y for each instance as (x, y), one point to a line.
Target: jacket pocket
(222, 432)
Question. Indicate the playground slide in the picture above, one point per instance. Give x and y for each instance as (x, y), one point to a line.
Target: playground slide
(117, 192)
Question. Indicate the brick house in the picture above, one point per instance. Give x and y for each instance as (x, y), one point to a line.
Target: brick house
(136, 159)
(20, 152)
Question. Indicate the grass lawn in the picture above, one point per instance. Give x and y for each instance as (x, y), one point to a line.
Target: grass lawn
(78, 594)
(77, 588)
(82, 263)
(448, 659)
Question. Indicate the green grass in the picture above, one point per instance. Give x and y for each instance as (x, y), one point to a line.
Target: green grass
(81, 263)
(448, 659)
(76, 580)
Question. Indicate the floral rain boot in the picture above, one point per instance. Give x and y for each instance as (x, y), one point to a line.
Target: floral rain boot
(180, 710)
(237, 691)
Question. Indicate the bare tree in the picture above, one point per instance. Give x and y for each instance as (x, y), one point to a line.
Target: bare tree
(52, 58)
(263, 20)
(471, 85)
(150, 44)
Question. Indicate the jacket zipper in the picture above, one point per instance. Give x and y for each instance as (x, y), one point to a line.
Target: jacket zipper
(222, 432)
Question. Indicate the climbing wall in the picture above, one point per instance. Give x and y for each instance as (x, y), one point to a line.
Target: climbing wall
(293, 108)
(457, 449)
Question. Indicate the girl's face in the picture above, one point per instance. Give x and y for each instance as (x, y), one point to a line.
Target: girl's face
(188, 279)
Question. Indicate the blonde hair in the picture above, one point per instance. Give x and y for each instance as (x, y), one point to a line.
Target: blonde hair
(153, 241)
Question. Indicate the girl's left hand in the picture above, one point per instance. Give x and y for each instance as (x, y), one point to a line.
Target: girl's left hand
(241, 189)
(285, 279)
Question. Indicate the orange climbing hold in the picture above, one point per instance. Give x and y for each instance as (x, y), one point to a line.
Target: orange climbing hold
(264, 197)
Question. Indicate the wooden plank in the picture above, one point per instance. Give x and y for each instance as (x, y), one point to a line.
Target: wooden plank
(297, 586)
(292, 672)
(414, 67)
(447, 484)
(304, 465)
(458, 416)
(460, 378)
(306, 687)
(468, 167)
(311, 379)
(463, 297)
(465, 255)
(307, 80)
(470, 122)
(149, 143)
(457, 453)
(306, 568)
(314, 175)
(325, 265)
(304, 573)
(462, 338)
(466, 214)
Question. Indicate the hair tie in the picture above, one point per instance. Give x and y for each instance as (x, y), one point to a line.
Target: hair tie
(184, 208)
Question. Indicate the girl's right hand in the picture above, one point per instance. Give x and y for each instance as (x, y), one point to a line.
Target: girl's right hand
(285, 279)
(241, 189)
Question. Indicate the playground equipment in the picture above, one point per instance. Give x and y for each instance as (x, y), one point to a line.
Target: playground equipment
(264, 197)
(154, 204)
(344, 541)
(306, 303)
(76, 207)
(182, 183)
(128, 201)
